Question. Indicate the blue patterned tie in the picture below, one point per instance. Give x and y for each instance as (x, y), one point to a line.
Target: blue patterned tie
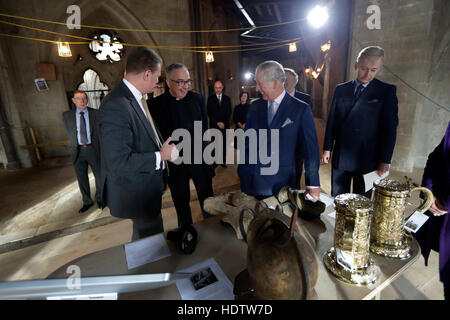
(270, 113)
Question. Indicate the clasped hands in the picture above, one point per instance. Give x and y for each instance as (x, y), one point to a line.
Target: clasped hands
(169, 152)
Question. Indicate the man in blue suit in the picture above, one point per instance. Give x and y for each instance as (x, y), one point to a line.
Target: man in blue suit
(361, 126)
(279, 112)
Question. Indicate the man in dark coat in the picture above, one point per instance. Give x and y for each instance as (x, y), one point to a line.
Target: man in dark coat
(180, 108)
(289, 85)
(134, 157)
(81, 127)
(219, 112)
(435, 233)
(361, 126)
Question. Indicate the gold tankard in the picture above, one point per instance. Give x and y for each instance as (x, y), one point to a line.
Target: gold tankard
(387, 237)
(349, 260)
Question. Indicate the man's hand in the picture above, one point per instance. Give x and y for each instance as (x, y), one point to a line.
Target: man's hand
(221, 125)
(326, 156)
(169, 151)
(314, 192)
(382, 168)
(437, 208)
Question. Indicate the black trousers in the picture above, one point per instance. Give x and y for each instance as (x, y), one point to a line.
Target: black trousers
(447, 292)
(178, 181)
(87, 156)
(145, 227)
(221, 154)
(341, 181)
(298, 175)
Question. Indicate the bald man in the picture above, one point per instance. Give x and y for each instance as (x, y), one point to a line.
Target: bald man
(219, 113)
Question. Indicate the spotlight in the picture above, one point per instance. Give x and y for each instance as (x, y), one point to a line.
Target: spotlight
(248, 76)
(318, 16)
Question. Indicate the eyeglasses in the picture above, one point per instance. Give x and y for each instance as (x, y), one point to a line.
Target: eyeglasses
(181, 83)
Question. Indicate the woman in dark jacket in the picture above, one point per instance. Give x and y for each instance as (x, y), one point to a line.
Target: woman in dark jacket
(435, 233)
(241, 110)
(240, 113)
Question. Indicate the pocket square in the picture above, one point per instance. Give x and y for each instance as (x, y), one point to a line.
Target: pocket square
(286, 122)
(373, 101)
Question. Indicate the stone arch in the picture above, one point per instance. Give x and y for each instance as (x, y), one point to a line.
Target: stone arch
(118, 15)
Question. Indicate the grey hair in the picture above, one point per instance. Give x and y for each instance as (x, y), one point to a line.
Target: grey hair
(272, 70)
(371, 52)
(174, 66)
(291, 71)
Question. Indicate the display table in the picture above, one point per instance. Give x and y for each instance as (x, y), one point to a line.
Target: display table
(220, 242)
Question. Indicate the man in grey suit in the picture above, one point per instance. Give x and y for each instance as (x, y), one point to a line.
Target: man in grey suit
(134, 157)
(81, 128)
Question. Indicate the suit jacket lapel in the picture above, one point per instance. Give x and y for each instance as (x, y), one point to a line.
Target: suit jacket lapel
(279, 117)
(143, 118)
(364, 94)
(350, 92)
(136, 107)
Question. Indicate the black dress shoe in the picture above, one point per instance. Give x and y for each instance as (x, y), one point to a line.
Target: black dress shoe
(85, 207)
(185, 238)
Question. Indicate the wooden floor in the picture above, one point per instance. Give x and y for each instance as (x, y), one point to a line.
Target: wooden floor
(41, 229)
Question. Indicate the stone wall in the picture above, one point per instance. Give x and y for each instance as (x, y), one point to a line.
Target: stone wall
(415, 36)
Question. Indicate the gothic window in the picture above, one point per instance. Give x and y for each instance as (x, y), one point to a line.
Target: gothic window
(94, 88)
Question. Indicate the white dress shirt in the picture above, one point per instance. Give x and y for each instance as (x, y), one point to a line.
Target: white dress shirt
(276, 102)
(138, 96)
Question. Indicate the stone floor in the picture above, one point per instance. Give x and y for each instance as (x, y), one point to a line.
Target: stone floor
(41, 229)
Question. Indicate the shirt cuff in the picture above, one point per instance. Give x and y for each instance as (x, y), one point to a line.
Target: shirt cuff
(311, 187)
(158, 160)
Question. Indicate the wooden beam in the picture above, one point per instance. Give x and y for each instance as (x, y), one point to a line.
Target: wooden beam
(277, 12)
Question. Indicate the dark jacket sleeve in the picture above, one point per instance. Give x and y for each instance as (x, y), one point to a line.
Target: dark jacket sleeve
(309, 148)
(388, 125)
(204, 113)
(330, 129)
(228, 112)
(117, 131)
(210, 111)
(434, 172)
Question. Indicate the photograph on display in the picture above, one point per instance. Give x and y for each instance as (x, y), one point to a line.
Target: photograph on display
(203, 278)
